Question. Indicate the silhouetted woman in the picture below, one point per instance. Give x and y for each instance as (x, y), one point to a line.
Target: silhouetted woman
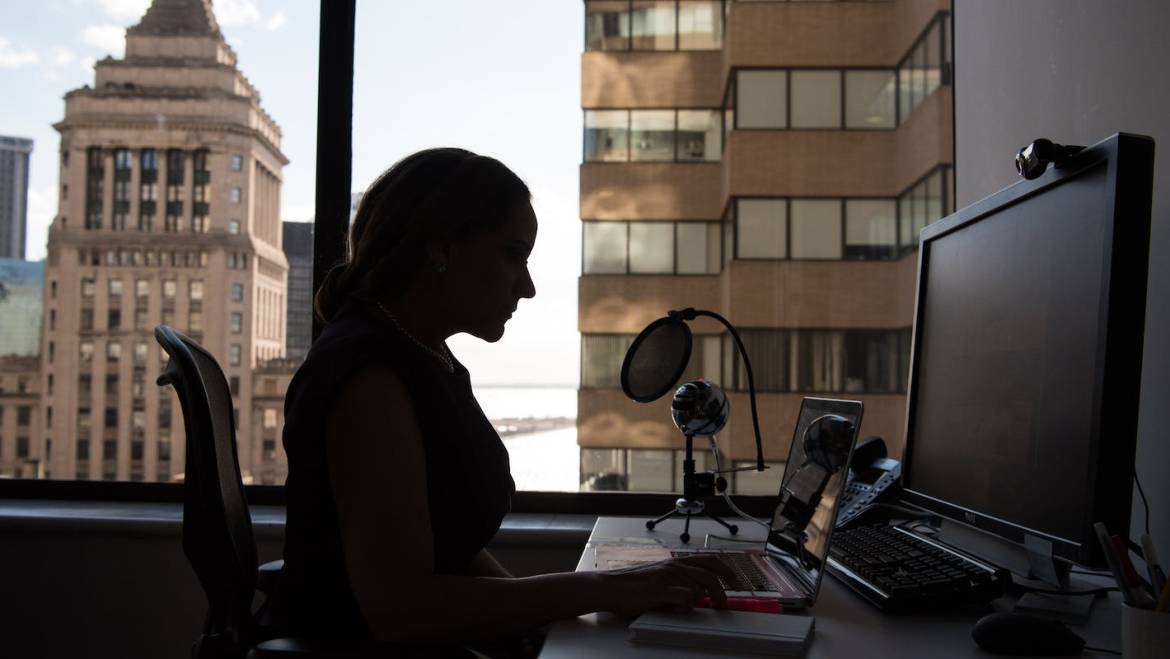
(397, 481)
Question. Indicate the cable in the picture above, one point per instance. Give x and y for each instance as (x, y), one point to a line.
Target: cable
(726, 494)
(1106, 651)
(1145, 503)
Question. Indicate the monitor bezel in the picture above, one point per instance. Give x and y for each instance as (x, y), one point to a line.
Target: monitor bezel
(1128, 160)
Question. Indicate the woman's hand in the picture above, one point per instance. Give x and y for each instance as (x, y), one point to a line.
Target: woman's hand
(677, 584)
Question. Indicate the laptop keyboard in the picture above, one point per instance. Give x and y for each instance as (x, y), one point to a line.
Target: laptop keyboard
(897, 570)
(749, 576)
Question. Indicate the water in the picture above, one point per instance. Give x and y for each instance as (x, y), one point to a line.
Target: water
(545, 461)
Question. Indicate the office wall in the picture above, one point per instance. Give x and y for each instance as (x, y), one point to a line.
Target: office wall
(124, 589)
(1076, 71)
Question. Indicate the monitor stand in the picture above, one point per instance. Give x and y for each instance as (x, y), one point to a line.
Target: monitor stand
(1048, 573)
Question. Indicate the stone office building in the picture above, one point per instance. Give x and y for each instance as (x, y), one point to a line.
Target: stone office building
(169, 206)
(773, 162)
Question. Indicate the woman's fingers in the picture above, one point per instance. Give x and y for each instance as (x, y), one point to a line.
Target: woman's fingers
(707, 582)
(711, 564)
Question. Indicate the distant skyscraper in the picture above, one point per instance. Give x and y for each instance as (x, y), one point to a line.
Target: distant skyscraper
(169, 212)
(22, 285)
(14, 152)
(298, 248)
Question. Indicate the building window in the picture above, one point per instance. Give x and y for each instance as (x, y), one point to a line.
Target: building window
(699, 136)
(870, 99)
(761, 99)
(236, 195)
(169, 288)
(652, 135)
(761, 229)
(87, 320)
(113, 351)
(269, 418)
(601, 358)
(655, 25)
(195, 289)
(195, 321)
(815, 229)
(114, 319)
(236, 322)
(871, 229)
(23, 415)
(698, 248)
(237, 293)
(140, 349)
(141, 318)
(816, 99)
(88, 286)
(233, 227)
(234, 355)
(606, 135)
(234, 385)
(237, 162)
(651, 247)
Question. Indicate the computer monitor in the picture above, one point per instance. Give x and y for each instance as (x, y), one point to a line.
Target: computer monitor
(1027, 352)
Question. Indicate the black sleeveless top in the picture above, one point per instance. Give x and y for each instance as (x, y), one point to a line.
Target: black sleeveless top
(469, 484)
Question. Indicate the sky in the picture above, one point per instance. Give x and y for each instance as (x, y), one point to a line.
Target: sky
(500, 78)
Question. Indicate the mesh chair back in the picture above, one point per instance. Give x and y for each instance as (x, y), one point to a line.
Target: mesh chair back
(217, 528)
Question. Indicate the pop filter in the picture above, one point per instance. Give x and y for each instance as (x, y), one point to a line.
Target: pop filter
(656, 359)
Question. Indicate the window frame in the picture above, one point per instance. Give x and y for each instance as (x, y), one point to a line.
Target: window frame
(335, 156)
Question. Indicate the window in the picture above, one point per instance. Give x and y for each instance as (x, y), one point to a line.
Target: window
(169, 288)
(761, 229)
(237, 293)
(114, 319)
(87, 320)
(607, 25)
(140, 350)
(195, 289)
(605, 245)
(870, 99)
(700, 25)
(700, 135)
(601, 359)
(23, 415)
(235, 196)
(606, 135)
(233, 227)
(871, 229)
(652, 135)
(651, 247)
(652, 25)
(237, 162)
(234, 355)
(269, 418)
(88, 286)
(761, 99)
(234, 385)
(698, 248)
(113, 351)
(816, 99)
(236, 322)
(816, 229)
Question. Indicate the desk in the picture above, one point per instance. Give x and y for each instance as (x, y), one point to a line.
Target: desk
(846, 625)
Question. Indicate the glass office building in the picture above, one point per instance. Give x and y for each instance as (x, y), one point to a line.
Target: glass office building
(773, 162)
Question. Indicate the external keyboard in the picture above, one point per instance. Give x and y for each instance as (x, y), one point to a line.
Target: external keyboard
(898, 570)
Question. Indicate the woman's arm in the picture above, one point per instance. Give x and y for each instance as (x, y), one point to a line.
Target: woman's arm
(377, 469)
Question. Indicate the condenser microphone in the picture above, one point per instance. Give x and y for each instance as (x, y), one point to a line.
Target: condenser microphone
(659, 355)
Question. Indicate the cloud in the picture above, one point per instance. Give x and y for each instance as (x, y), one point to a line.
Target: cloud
(87, 64)
(124, 10)
(60, 56)
(42, 206)
(236, 12)
(109, 38)
(275, 21)
(14, 58)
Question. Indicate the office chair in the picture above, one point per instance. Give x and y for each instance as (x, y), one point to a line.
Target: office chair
(217, 527)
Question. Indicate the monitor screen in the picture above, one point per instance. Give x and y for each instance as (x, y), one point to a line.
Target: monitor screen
(1018, 322)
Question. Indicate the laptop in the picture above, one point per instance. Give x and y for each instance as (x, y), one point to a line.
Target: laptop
(789, 564)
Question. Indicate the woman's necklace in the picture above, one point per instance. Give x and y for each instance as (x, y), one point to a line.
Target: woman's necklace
(444, 357)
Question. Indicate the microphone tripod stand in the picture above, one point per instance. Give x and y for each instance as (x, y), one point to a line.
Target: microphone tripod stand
(696, 489)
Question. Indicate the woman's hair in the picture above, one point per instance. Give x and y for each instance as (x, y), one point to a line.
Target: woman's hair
(433, 195)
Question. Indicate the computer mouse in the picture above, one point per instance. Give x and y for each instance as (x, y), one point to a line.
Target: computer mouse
(1022, 634)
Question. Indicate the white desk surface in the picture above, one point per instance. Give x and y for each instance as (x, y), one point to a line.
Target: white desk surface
(846, 625)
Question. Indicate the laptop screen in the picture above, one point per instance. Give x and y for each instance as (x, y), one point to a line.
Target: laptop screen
(814, 475)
